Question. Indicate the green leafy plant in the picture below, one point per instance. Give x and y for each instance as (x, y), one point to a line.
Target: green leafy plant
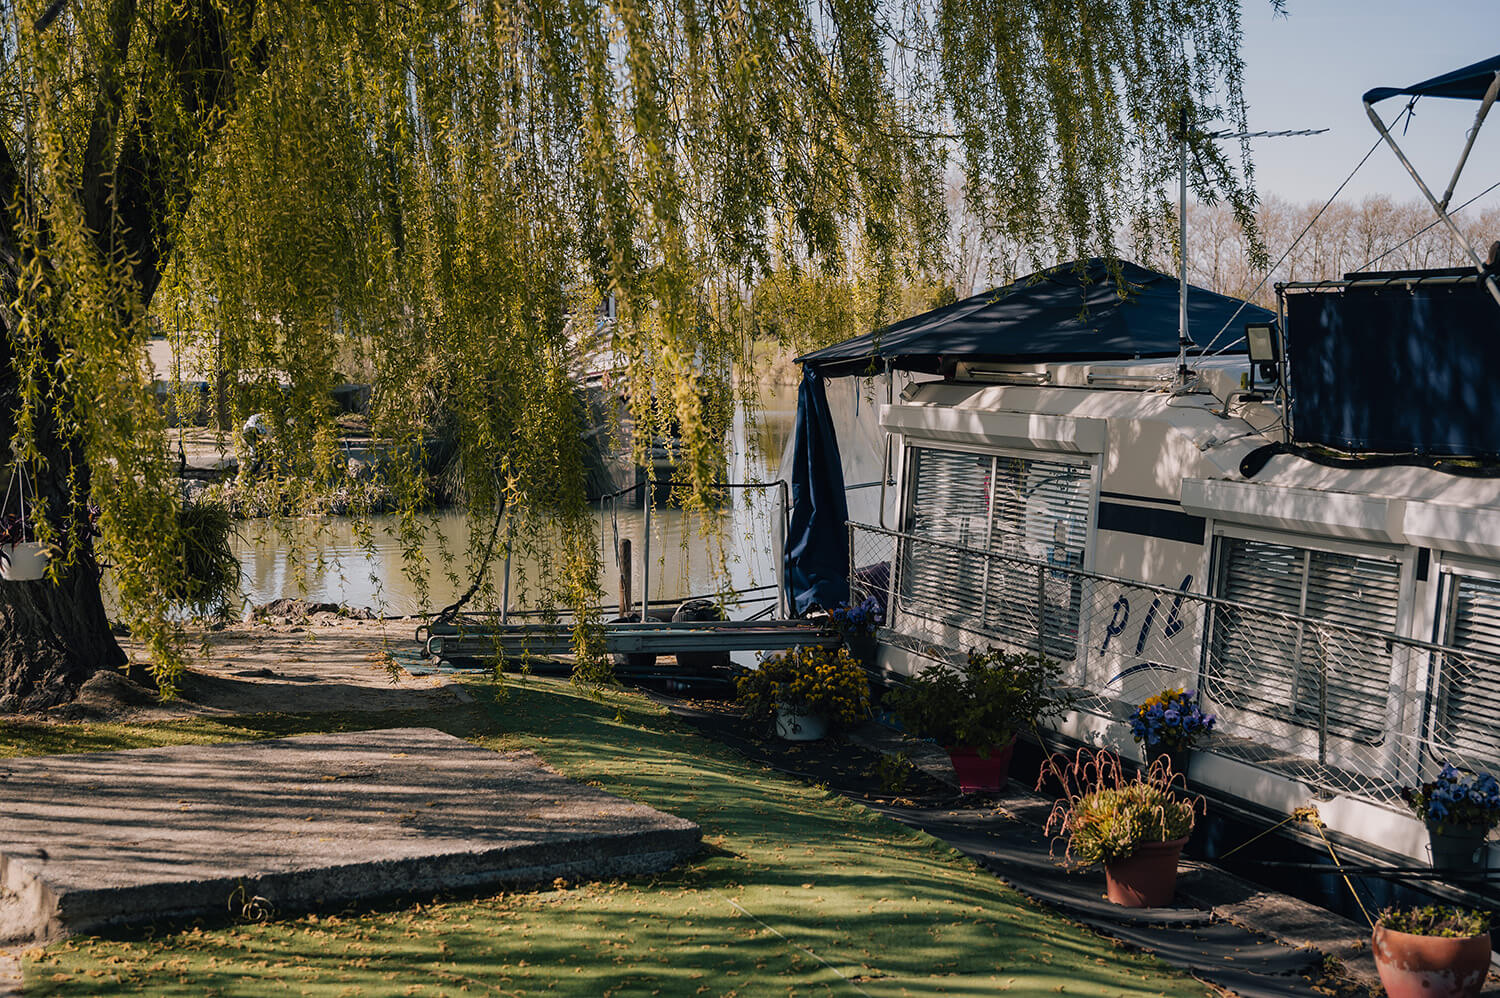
(210, 573)
(1105, 816)
(895, 772)
(1436, 920)
(982, 703)
(808, 680)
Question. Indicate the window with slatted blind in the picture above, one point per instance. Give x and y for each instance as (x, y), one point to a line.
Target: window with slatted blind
(1263, 663)
(1013, 507)
(1468, 708)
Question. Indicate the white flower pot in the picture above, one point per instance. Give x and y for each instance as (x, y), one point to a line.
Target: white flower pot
(23, 562)
(795, 727)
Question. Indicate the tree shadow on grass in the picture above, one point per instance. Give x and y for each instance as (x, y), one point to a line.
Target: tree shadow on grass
(794, 871)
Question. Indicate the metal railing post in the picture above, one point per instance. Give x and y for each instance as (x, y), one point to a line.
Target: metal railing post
(646, 559)
(1321, 652)
(783, 595)
(505, 594)
(1041, 612)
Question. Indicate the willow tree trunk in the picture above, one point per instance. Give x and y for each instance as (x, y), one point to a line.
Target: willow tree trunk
(53, 634)
(139, 161)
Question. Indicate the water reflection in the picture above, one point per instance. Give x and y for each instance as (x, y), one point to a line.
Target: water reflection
(735, 549)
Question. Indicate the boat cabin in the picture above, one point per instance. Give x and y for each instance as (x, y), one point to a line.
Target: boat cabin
(1311, 541)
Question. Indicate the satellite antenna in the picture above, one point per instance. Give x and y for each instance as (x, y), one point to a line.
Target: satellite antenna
(1184, 341)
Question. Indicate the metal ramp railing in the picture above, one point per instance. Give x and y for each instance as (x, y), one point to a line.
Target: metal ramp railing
(471, 640)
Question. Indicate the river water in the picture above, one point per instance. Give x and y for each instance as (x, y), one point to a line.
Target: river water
(333, 560)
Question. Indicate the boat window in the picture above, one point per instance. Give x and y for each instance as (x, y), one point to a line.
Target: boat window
(1264, 663)
(1466, 714)
(984, 530)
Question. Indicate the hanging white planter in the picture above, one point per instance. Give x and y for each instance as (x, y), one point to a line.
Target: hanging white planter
(24, 561)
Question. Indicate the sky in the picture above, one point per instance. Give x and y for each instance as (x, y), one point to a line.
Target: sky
(1310, 68)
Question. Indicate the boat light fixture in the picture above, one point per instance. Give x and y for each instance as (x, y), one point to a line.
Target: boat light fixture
(1264, 344)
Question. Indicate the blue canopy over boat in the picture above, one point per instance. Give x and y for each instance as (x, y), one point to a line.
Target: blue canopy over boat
(1469, 83)
(1076, 311)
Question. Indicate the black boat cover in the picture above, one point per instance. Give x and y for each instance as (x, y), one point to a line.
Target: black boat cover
(1396, 367)
(1070, 312)
(1469, 83)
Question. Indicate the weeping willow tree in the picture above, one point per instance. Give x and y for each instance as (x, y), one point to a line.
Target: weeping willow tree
(440, 190)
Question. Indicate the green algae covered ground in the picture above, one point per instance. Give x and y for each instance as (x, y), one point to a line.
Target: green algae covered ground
(799, 892)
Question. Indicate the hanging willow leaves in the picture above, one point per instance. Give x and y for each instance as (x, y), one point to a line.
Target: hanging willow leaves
(438, 193)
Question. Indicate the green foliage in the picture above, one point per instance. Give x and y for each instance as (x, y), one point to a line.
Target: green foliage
(1105, 815)
(808, 680)
(209, 576)
(437, 196)
(895, 771)
(982, 703)
(1436, 920)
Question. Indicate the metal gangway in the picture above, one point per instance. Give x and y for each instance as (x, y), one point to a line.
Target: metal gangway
(474, 640)
(463, 638)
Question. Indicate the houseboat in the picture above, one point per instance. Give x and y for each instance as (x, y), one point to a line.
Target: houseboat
(1304, 527)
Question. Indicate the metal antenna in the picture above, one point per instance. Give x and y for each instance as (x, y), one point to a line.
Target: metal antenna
(1183, 382)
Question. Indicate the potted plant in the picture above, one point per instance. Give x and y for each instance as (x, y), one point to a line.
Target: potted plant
(806, 692)
(1168, 726)
(857, 623)
(1459, 810)
(975, 710)
(1432, 952)
(1135, 827)
(22, 557)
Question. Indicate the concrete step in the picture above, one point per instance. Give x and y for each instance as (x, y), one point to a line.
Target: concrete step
(254, 829)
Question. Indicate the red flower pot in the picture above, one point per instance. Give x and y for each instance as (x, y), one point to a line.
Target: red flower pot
(1147, 877)
(978, 773)
(1430, 966)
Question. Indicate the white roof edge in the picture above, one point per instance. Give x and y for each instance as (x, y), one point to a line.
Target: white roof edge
(1463, 529)
(1081, 435)
(1281, 507)
(1472, 530)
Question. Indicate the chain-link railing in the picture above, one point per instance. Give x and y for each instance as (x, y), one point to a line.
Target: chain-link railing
(1342, 709)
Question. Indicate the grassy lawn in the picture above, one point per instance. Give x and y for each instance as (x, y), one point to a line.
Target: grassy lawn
(800, 892)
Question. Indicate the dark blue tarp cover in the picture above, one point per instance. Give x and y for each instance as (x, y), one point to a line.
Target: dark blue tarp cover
(1469, 83)
(1396, 369)
(817, 543)
(1065, 313)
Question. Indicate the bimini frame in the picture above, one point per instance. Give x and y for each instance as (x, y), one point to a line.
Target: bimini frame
(1463, 83)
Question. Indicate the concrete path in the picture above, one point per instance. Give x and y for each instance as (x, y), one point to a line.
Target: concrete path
(253, 829)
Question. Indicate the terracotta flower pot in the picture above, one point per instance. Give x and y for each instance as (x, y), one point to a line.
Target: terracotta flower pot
(981, 773)
(1430, 966)
(1147, 877)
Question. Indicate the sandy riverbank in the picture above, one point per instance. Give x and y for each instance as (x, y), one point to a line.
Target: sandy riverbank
(303, 664)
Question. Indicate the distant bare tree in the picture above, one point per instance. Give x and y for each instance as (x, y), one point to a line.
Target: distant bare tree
(1375, 233)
